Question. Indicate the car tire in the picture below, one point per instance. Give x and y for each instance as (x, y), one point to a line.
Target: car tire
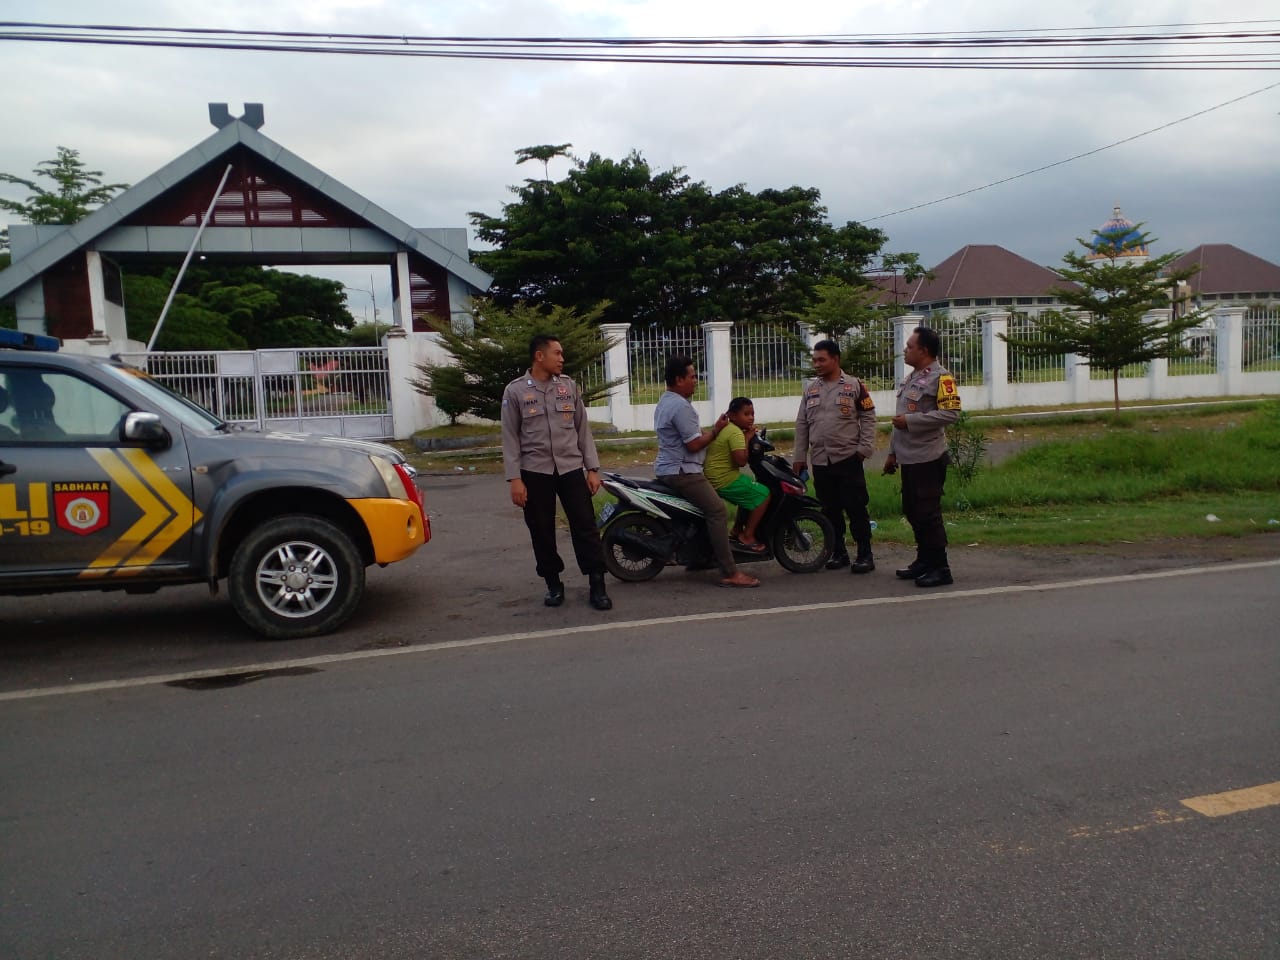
(296, 576)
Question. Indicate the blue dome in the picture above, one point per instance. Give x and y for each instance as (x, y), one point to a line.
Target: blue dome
(1117, 237)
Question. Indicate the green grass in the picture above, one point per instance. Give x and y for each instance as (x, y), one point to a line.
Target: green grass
(1129, 483)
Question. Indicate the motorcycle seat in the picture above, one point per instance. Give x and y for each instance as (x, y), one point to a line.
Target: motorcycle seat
(643, 483)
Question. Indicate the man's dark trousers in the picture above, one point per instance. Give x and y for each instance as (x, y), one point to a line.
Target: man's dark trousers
(922, 485)
(841, 488)
(540, 518)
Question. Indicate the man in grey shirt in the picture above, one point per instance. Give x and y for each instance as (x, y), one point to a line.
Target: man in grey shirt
(681, 449)
(548, 451)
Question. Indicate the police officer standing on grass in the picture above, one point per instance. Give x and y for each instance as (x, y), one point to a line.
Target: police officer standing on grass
(927, 402)
(548, 452)
(836, 432)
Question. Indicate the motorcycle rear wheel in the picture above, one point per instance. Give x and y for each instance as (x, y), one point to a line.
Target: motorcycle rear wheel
(622, 557)
(803, 543)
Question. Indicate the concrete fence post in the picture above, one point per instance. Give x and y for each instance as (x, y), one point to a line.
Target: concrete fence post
(995, 358)
(719, 364)
(1229, 322)
(617, 365)
(903, 327)
(1158, 368)
(407, 405)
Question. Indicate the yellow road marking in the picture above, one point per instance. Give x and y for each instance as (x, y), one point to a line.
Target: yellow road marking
(1236, 801)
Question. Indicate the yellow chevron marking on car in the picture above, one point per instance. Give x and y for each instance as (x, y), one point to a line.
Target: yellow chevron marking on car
(154, 514)
(185, 514)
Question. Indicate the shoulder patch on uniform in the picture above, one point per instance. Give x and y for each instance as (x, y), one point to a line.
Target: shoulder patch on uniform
(867, 403)
(948, 395)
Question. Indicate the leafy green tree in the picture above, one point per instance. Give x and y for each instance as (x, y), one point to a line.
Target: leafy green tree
(450, 390)
(1112, 295)
(545, 152)
(257, 308)
(661, 249)
(76, 190)
(190, 325)
(496, 351)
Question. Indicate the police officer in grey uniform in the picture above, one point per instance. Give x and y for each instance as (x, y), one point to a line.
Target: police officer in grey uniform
(927, 402)
(836, 432)
(548, 452)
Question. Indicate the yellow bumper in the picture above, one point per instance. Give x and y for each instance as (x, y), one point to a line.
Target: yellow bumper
(396, 527)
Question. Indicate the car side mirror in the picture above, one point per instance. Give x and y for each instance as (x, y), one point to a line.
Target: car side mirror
(146, 428)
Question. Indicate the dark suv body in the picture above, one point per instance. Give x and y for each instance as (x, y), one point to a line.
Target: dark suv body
(110, 481)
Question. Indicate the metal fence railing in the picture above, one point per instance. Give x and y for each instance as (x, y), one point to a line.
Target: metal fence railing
(1026, 365)
(1202, 342)
(1260, 350)
(293, 385)
(647, 351)
(962, 349)
(769, 360)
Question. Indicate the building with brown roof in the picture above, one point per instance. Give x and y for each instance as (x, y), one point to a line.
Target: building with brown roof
(983, 277)
(1229, 275)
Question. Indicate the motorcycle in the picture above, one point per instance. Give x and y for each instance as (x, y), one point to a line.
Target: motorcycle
(649, 526)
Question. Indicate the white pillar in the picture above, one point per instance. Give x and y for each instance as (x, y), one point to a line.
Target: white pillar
(1229, 322)
(407, 405)
(402, 304)
(808, 334)
(616, 364)
(719, 366)
(1077, 373)
(995, 357)
(97, 293)
(903, 327)
(1158, 368)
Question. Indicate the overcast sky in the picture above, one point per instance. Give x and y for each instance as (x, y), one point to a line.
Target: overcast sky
(431, 140)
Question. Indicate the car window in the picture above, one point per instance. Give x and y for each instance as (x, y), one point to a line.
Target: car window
(160, 399)
(53, 406)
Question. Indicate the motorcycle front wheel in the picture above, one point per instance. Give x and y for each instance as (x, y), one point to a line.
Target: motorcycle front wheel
(803, 543)
(625, 555)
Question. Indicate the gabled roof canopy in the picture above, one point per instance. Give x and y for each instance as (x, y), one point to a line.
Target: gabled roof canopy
(275, 209)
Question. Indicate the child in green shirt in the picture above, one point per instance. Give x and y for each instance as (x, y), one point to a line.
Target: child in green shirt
(726, 456)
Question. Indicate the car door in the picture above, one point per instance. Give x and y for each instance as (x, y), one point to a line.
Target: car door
(76, 500)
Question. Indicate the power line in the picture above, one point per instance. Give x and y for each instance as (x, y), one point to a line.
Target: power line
(1258, 39)
(1078, 156)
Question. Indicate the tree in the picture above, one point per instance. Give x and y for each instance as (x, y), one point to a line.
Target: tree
(545, 152)
(255, 307)
(904, 265)
(496, 351)
(76, 192)
(1112, 296)
(662, 249)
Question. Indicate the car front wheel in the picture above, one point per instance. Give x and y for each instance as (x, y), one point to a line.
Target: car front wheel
(296, 576)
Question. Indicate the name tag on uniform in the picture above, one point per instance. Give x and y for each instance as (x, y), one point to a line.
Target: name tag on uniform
(812, 401)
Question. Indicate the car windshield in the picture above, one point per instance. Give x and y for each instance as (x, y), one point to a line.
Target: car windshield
(164, 400)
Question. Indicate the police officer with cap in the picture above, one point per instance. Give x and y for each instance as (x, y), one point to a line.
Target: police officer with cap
(927, 401)
(548, 452)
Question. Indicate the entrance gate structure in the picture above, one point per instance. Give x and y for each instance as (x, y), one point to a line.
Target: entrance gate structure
(273, 209)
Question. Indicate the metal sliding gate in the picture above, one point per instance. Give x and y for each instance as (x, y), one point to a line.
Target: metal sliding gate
(339, 391)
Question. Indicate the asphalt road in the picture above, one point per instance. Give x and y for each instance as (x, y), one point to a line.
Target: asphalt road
(978, 772)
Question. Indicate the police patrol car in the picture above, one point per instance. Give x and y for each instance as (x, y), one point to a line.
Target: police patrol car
(110, 481)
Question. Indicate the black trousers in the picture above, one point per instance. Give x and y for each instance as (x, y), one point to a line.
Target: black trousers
(540, 518)
(841, 488)
(922, 485)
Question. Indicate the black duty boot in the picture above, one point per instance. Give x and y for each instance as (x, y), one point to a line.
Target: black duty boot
(938, 577)
(555, 592)
(864, 562)
(913, 570)
(598, 598)
(837, 561)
